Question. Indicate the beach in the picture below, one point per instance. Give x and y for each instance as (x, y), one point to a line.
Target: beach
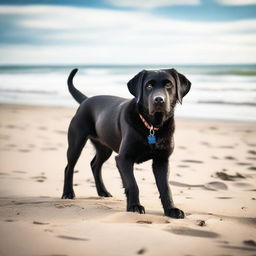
(212, 177)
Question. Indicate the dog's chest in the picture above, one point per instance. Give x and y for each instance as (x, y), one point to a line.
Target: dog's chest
(163, 147)
(162, 144)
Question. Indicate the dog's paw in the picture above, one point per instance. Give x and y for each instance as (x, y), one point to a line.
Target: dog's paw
(68, 195)
(104, 194)
(175, 213)
(136, 208)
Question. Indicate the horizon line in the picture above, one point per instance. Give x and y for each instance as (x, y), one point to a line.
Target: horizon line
(124, 65)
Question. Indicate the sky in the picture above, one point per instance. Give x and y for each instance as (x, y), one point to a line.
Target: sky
(127, 32)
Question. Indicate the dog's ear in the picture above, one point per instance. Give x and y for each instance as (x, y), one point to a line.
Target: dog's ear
(182, 84)
(135, 85)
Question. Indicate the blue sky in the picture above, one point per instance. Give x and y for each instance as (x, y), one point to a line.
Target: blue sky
(128, 32)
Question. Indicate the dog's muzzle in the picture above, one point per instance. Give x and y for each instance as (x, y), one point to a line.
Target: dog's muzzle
(158, 105)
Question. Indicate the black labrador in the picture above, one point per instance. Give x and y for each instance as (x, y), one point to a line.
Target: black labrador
(138, 130)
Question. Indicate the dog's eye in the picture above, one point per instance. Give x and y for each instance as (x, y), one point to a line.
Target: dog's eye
(168, 85)
(149, 86)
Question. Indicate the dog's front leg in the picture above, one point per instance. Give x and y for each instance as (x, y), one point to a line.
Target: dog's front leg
(161, 173)
(125, 167)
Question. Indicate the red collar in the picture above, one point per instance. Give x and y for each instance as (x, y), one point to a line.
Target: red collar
(150, 127)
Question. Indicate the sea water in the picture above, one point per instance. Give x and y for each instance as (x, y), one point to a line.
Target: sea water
(223, 92)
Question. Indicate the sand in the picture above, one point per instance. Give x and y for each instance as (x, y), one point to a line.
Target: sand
(213, 179)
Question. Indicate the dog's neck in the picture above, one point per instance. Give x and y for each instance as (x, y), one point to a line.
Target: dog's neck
(149, 126)
(148, 122)
(149, 119)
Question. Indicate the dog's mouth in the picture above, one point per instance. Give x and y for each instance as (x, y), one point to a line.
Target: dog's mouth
(158, 118)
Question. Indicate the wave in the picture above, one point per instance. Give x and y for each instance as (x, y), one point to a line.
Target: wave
(238, 70)
(29, 91)
(233, 72)
(219, 102)
(227, 89)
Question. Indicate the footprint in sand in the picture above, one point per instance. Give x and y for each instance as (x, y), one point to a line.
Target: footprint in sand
(213, 128)
(193, 232)
(49, 149)
(250, 242)
(243, 185)
(48, 230)
(42, 128)
(230, 158)
(144, 222)
(252, 152)
(224, 197)
(4, 173)
(226, 176)
(141, 251)
(18, 171)
(192, 161)
(24, 150)
(40, 178)
(60, 206)
(240, 248)
(201, 223)
(40, 223)
(215, 185)
(205, 143)
(90, 181)
(11, 145)
(73, 238)
(11, 126)
(226, 146)
(139, 169)
(243, 164)
(183, 166)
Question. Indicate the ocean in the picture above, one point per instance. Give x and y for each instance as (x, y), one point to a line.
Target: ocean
(218, 92)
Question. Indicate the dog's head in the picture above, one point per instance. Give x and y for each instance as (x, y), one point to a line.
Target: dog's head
(157, 92)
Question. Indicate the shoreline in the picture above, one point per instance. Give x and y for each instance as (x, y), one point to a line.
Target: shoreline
(27, 106)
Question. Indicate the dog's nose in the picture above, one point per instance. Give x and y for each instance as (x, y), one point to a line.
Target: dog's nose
(159, 100)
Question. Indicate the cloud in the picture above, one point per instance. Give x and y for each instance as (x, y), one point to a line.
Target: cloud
(237, 2)
(182, 53)
(148, 4)
(57, 35)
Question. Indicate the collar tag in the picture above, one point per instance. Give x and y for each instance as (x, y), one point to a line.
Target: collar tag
(151, 136)
(151, 139)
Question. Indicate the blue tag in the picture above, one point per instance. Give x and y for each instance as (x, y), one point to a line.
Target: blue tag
(151, 139)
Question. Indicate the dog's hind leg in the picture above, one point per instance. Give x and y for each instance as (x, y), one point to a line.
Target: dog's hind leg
(102, 154)
(76, 142)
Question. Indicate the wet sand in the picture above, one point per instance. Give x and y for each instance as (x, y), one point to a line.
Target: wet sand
(213, 179)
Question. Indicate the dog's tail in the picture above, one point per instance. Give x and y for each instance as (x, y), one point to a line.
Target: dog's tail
(77, 95)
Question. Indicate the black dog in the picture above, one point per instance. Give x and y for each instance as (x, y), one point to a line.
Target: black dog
(138, 130)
